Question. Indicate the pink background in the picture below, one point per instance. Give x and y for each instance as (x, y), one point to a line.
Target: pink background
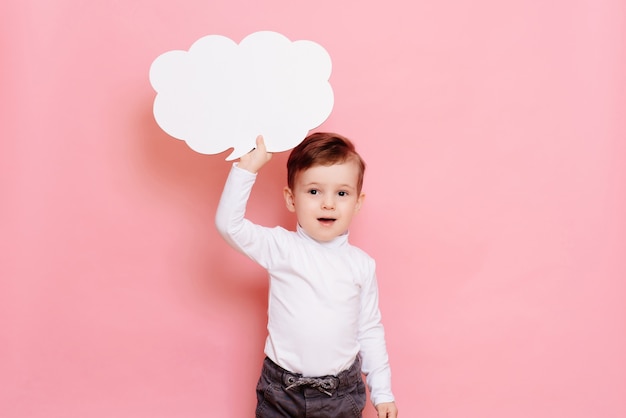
(495, 137)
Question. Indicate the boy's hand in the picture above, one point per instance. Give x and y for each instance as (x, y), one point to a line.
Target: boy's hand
(255, 159)
(387, 410)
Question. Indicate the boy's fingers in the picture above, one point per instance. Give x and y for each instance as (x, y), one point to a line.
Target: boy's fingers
(260, 145)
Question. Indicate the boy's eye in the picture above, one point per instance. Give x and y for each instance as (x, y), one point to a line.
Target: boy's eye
(313, 191)
(342, 193)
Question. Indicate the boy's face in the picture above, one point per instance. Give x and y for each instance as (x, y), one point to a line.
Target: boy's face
(325, 199)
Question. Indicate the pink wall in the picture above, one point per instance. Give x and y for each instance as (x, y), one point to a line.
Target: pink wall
(494, 133)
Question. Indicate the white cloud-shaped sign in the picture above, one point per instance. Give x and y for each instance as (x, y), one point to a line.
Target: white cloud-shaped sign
(221, 95)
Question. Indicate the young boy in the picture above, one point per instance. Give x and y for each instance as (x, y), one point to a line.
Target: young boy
(324, 325)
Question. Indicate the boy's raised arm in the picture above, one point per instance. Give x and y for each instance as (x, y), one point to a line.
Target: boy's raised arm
(255, 159)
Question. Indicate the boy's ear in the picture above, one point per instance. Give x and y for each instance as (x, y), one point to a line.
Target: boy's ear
(359, 201)
(289, 200)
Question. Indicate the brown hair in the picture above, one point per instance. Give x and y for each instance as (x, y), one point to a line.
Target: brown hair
(323, 148)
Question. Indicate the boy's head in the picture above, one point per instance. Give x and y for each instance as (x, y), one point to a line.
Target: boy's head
(323, 148)
(325, 178)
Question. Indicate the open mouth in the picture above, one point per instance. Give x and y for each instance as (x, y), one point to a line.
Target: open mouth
(326, 221)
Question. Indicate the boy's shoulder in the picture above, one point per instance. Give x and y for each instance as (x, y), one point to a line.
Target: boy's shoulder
(363, 257)
(358, 251)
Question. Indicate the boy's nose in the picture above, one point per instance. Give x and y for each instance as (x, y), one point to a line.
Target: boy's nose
(328, 204)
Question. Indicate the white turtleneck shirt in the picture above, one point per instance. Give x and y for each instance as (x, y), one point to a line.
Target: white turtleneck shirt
(323, 296)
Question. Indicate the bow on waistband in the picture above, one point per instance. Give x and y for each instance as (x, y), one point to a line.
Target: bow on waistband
(323, 384)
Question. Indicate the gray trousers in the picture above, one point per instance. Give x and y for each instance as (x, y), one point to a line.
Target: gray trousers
(281, 393)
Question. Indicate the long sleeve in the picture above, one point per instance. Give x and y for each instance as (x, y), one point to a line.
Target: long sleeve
(231, 210)
(246, 237)
(372, 342)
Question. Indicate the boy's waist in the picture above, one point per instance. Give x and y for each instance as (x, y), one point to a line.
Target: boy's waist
(343, 381)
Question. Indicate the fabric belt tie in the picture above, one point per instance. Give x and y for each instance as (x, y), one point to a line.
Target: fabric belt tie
(323, 384)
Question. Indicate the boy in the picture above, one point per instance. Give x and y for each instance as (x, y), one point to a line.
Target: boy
(324, 325)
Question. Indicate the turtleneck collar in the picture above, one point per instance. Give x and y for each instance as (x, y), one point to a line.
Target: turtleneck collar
(334, 243)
